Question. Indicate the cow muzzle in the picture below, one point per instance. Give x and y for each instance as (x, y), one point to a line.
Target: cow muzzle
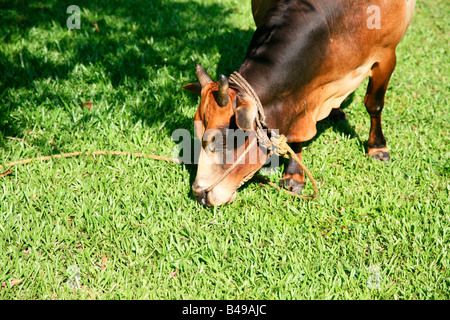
(215, 197)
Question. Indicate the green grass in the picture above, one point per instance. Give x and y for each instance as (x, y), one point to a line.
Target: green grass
(387, 221)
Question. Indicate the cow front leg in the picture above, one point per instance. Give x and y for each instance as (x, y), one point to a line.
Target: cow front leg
(374, 101)
(293, 177)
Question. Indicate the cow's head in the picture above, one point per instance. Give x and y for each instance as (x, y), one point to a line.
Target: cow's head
(225, 124)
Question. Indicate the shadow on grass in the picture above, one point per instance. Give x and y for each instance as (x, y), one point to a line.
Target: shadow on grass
(130, 42)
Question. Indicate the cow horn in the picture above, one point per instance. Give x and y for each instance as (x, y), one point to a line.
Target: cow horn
(202, 75)
(222, 95)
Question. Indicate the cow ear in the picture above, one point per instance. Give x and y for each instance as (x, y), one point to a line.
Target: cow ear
(193, 87)
(245, 112)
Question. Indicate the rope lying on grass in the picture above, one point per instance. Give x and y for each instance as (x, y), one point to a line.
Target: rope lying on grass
(161, 158)
(291, 154)
(87, 153)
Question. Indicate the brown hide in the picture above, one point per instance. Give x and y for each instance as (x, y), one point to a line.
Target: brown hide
(305, 58)
(343, 61)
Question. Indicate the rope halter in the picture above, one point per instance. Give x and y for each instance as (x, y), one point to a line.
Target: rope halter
(267, 138)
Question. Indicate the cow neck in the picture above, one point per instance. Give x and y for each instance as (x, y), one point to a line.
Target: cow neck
(237, 79)
(284, 57)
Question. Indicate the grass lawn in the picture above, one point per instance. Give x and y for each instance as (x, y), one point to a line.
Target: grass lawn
(107, 227)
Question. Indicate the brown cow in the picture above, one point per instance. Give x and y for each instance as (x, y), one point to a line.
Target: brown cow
(304, 59)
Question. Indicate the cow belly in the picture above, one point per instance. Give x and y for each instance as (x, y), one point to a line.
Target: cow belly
(325, 97)
(332, 94)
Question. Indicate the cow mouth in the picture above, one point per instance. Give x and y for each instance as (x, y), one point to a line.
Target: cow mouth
(218, 195)
(209, 199)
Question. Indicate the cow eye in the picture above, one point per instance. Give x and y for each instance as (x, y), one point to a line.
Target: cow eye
(213, 141)
(209, 145)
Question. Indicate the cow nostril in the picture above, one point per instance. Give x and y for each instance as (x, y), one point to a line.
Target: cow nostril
(201, 197)
(203, 202)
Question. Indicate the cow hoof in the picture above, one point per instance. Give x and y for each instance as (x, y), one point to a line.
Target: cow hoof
(292, 185)
(380, 154)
